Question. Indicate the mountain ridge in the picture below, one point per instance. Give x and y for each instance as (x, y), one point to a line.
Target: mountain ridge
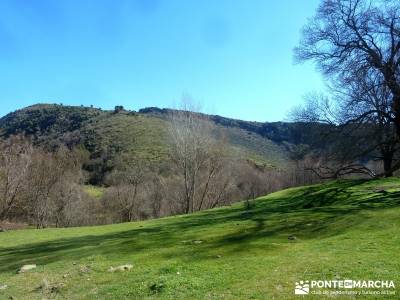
(143, 134)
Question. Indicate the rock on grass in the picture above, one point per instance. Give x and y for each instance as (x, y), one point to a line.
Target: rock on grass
(120, 268)
(26, 268)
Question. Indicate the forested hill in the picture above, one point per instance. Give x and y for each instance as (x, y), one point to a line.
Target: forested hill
(278, 132)
(143, 135)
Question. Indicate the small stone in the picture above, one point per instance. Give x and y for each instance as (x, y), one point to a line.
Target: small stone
(26, 268)
(56, 288)
(65, 275)
(120, 268)
(3, 286)
(84, 269)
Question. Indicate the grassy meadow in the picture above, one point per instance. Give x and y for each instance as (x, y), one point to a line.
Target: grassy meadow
(337, 230)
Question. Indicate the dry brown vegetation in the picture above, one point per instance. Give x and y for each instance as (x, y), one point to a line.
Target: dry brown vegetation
(45, 188)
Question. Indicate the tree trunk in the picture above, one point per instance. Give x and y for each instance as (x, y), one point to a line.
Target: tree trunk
(387, 164)
(396, 110)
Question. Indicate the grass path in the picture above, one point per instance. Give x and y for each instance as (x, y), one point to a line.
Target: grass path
(346, 229)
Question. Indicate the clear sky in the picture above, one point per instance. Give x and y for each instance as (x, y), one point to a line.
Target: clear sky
(233, 56)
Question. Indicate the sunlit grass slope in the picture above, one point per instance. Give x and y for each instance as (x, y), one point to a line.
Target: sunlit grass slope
(343, 229)
(94, 191)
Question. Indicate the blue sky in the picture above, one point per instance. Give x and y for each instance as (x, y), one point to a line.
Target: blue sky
(233, 56)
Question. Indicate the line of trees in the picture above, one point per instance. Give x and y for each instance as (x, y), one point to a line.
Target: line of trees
(42, 188)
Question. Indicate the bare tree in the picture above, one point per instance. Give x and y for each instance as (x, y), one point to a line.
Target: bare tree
(367, 102)
(156, 190)
(38, 186)
(356, 44)
(252, 183)
(47, 183)
(129, 190)
(349, 37)
(215, 178)
(198, 158)
(15, 161)
(66, 193)
(360, 127)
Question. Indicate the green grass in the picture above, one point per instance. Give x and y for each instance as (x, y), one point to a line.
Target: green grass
(344, 229)
(94, 191)
(138, 136)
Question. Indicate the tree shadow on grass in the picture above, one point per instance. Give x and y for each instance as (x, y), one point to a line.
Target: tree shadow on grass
(310, 215)
(307, 214)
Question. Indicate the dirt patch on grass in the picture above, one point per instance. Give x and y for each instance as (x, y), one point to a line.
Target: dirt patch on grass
(6, 226)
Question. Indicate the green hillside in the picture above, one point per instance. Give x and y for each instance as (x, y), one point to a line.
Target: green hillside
(337, 230)
(130, 135)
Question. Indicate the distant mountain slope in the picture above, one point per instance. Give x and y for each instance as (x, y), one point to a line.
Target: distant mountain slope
(143, 134)
(278, 132)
